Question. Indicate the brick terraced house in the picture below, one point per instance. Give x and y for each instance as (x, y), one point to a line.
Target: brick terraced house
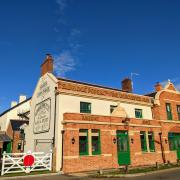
(92, 127)
(12, 122)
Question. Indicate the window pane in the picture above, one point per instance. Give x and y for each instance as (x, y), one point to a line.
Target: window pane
(178, 111)
(85, 107)
(96, 149)
(83, 142)
(138, 113)
(143, 141)
(168, 110)
(122, 143)
(151, 141)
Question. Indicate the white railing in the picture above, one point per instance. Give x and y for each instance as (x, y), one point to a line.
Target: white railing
(19, 162)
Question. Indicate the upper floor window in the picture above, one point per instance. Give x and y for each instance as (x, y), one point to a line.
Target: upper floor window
(178, 111)
(112, 108)
(85, 107)
(138, 113)
(169, 111)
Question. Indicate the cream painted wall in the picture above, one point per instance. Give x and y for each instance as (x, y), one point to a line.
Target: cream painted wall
(13, 114)
(100, 107)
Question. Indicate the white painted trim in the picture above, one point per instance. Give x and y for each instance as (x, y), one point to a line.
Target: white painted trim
(107, 123)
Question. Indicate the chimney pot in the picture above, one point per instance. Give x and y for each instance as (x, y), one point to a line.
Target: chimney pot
(13, 103)
(158, 87)
(127, 85)
(47, 66)
(22, 98)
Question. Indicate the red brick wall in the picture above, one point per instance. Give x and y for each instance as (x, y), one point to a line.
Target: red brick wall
(15, 136)
(167, 97)
(72, 162)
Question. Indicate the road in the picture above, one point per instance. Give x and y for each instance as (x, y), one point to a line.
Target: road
(168, 175)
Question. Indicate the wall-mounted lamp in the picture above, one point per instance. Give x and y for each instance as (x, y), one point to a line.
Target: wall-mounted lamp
(73, 140)
(114, 140)
(132, 141)
(166, 141)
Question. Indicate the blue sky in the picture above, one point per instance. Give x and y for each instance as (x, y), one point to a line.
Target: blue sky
(97, 41)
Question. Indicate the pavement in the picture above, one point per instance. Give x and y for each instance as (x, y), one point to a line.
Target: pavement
(163, 175)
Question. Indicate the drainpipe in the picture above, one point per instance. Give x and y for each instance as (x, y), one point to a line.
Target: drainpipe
(162, 148)
(55, 116)
(55, 105)
(62, 133)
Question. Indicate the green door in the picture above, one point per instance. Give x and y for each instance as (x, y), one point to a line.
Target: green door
(177, 145)
(123, 149)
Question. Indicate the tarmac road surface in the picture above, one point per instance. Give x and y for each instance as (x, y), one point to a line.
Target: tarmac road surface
(168, 175)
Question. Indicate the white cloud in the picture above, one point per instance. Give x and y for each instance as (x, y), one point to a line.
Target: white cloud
(62, 4)
(63, 63)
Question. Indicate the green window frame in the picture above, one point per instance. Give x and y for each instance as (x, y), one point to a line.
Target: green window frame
(178, 112)
(112, 108)
(83, 142)
(151, 141)
(85, 107)
(169, 111)
(143, 141)
(139, 113)
(96, 142)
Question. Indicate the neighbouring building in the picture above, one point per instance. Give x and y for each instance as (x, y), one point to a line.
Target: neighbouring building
(12, 122)
(92, 127)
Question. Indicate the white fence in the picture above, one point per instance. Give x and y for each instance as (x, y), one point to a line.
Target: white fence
(26, 162)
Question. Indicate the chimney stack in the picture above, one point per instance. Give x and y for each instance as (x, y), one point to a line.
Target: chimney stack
(158, 87)
(47, 66)
(127, 85)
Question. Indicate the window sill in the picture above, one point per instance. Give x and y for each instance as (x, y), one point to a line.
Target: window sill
(150, 152)
(81, 156)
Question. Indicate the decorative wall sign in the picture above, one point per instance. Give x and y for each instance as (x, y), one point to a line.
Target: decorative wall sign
(44, 89)
(42, 116)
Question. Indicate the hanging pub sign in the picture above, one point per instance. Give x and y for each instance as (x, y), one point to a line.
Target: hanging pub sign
(42, 117)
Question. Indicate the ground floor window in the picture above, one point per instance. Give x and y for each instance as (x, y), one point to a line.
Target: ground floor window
(83, 142)
(151, 141)
(95, 141)
(143, 141)
(147, 141)
(89, 142)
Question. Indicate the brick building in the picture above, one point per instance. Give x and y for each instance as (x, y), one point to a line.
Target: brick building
(92, 127)
(11, 120)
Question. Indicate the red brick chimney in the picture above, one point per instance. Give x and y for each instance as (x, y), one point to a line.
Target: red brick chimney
(127, 85)
(47, 66)
(158, 87)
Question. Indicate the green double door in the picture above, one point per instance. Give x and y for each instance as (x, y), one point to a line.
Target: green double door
(174, 143)
(123, 148)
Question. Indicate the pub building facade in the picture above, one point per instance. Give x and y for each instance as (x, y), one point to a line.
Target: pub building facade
(91, 127)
